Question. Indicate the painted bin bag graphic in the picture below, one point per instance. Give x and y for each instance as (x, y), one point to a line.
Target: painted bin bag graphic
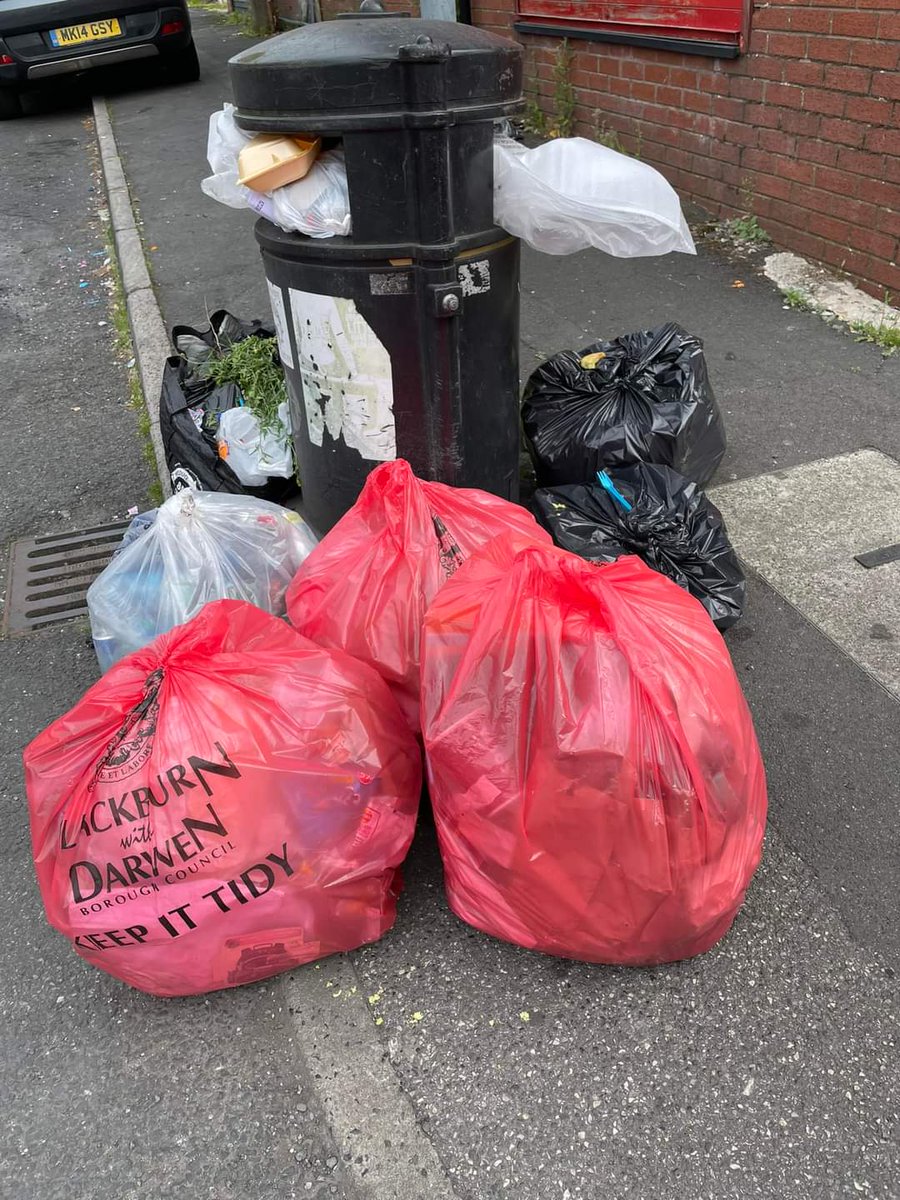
(228, 802)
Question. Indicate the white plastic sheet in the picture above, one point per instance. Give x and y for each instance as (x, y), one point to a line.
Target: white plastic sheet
(224, 143)
(254, 456)
(317, 205)
(571, 193)
(202, 546)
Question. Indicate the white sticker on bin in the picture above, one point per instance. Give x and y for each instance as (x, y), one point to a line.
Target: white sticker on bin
(346, 372)
(281, 326)
(475, 277)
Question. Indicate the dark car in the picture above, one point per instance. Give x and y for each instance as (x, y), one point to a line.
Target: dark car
(41, 40)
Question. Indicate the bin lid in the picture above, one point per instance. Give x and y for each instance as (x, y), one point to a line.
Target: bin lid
(366, 73)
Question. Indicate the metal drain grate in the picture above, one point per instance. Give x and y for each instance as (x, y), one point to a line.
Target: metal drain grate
(49, 576)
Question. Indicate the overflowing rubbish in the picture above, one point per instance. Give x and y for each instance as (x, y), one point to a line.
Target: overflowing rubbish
(595, 778)
(270, 161)
(227, 803)
(198, 347)
(202, 546)
(665, 519)
(236, 795)
(232, 364)
(571, 193)
(560, 197)
(366, 586)
(643, 397)
(318, 204)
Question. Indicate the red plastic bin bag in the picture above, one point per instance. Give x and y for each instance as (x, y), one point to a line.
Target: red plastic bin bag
(225, 803)
(366, 586)
(597, 786)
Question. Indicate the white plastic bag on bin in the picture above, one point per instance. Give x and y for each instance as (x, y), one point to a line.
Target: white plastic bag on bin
(224, 143)
(571, 193)
(317, 205)
(202, 546)
(252, 454)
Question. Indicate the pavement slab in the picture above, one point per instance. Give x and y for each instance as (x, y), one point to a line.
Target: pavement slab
(802, 530)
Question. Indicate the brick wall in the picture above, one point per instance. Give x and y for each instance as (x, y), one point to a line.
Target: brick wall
(804, 128)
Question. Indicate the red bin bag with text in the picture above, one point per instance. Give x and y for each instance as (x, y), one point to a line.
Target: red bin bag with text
(225, 803)
(365, 587)
(597, 786)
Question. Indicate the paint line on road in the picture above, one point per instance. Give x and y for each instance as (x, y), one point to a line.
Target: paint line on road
(801, 530)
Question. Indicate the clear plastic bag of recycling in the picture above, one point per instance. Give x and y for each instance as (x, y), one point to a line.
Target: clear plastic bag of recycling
(202, 546)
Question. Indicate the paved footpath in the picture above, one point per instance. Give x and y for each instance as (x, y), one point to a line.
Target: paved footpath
(766, 1068)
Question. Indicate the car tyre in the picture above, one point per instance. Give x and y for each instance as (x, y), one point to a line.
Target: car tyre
(10, 104)
(184, 66)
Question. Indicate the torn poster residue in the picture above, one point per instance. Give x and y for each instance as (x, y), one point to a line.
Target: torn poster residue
(346, 374)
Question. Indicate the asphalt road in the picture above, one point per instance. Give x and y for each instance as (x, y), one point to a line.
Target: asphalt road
(768, 1067)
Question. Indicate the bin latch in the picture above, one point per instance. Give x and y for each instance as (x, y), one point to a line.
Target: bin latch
(424, 49)
(447, 299)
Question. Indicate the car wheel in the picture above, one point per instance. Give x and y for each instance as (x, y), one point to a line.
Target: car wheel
(10, 104)
(184, 66)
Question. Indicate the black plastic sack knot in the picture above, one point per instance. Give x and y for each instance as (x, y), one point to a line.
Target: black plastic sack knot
(644, 397)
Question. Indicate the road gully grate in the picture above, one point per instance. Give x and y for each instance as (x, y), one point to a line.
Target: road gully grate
(50, 575)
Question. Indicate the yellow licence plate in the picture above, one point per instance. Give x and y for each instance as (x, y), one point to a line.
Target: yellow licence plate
(92, 31)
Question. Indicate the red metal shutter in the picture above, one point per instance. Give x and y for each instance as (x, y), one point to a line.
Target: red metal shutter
(704, 26)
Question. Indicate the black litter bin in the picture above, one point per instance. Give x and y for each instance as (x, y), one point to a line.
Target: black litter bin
(403, 336)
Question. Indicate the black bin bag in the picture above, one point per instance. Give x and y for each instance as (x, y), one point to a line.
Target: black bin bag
(191, 457)
(659, 515)
(643, 397)
(189, 406)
